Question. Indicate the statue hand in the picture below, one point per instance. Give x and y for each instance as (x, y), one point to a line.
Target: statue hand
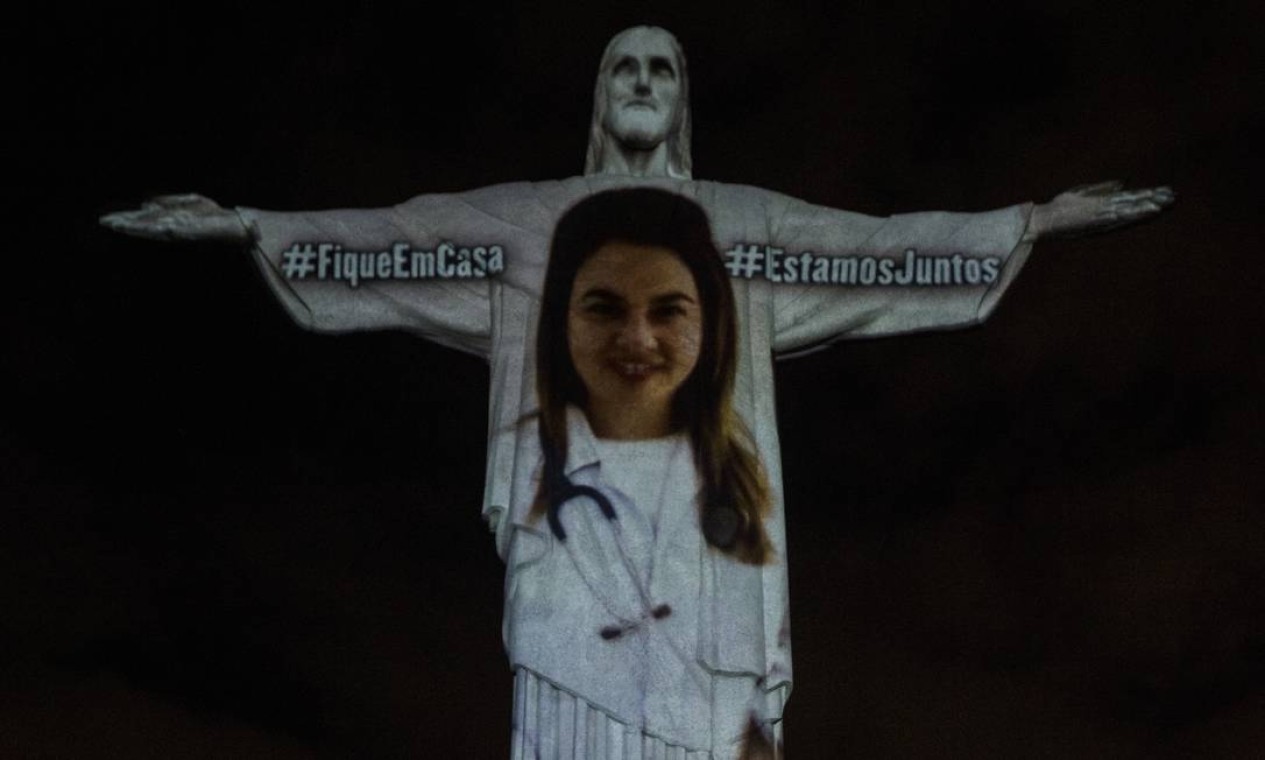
(1097, 208)
(180, 217)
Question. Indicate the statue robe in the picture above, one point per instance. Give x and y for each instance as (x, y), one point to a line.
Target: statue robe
(743, 623)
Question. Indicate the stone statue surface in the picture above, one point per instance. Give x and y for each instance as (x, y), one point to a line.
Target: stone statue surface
(801, 276)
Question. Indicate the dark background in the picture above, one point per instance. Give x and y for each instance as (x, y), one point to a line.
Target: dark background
(222, 536)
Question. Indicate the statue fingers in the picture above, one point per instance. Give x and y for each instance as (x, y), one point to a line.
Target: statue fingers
(1106, 216)
(1128, 196)
(1098, 188)
(138, 223)
(1151, 199)
(182, 199)
(1141, 210)
(1145, 201)
(1118, 214)
(159, 222)
(1157, 194)
(115, 221)
(1163, 195)
(125, 221)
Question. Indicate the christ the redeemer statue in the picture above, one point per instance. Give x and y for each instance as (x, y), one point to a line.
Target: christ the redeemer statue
(466, 270)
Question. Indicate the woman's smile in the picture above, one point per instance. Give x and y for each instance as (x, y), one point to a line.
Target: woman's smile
(634, 370)
(634, 329)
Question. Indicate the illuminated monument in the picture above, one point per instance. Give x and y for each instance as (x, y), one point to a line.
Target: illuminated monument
(467, 270)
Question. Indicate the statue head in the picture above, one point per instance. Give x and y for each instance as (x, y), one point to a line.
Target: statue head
(641, 101)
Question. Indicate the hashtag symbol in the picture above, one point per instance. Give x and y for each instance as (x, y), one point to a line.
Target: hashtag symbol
(744, 260)
(296, 261)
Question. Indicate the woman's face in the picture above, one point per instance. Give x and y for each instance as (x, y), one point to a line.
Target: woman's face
(634, 328)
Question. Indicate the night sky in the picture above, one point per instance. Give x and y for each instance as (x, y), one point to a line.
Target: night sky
(222, 536)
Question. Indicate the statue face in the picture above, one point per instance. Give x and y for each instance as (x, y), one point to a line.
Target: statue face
(643, 89)
(634, 328)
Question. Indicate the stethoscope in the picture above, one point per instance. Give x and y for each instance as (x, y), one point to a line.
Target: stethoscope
(565, 491)
(720, 524)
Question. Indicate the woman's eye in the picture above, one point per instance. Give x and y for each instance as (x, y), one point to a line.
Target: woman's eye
(600, 309)
(668, 312)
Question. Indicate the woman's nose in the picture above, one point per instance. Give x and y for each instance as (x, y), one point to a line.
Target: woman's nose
(636, 333)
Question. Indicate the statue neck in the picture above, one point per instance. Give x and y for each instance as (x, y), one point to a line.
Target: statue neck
(619, 159)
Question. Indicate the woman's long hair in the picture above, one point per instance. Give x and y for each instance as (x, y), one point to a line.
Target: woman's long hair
(734, 496)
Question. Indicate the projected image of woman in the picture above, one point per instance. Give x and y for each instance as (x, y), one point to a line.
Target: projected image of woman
(645, 472)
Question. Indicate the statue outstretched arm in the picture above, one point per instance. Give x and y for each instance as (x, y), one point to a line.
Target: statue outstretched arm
(186, 217)
(864, 276)
(1100, 207)
(325, 269)
(932, 270)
